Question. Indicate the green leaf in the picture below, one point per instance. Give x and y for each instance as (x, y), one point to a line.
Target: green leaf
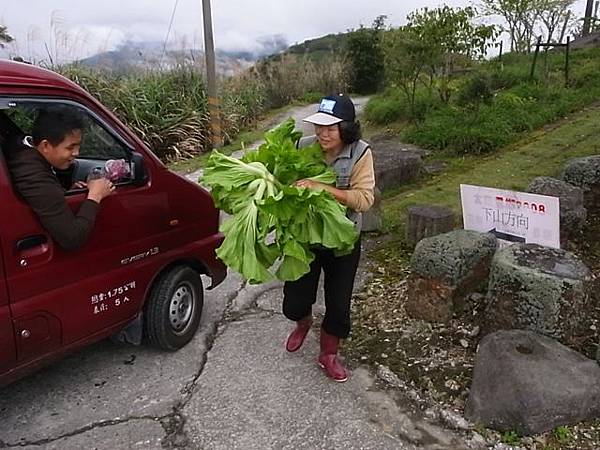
(273, 222)
(296, 261)
(240, 249)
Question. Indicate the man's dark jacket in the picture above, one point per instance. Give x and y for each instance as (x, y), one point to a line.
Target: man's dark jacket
(36, 182)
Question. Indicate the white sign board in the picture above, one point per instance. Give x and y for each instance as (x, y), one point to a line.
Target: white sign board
(512, 216)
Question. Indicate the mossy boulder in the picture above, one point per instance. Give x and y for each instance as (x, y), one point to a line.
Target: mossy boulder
(585, 174)
(572, 212)
(537, 288)
(445, 269)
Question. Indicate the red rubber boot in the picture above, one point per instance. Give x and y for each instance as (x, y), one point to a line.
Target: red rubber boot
(296, 337)
(328, 359)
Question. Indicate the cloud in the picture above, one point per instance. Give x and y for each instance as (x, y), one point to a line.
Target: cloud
(238, 25)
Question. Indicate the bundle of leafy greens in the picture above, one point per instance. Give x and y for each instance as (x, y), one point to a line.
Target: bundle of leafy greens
(273, 223)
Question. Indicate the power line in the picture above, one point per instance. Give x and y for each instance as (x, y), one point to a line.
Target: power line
(168, 31)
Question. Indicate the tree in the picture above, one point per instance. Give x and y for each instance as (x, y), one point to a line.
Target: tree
(366, 57)
(406, 56)
(554, 16)
(427, 49)
(451, 36)
(5, 38)
(520, 16)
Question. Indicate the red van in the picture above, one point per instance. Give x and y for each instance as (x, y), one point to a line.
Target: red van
(141, 267)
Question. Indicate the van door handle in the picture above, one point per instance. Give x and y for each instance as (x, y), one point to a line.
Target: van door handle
(31, 242)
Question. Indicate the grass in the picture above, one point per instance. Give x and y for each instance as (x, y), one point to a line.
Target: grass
(511, 438)
(542, 153)
(243, 140)
(493, 105)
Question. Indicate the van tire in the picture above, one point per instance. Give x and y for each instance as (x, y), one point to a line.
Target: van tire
(173, 311)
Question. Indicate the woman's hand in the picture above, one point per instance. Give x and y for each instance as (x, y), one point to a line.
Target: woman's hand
(309, 184)
(338, 194)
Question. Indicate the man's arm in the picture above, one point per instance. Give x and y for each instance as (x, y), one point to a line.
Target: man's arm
(47, 199)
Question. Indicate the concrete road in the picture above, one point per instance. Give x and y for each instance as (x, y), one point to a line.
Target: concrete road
(232, 387)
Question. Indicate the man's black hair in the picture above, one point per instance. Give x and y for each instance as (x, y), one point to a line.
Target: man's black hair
(54, 123)
(350, 131)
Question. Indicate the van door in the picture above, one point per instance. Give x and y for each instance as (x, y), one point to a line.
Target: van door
(7, 338)
(102, 284)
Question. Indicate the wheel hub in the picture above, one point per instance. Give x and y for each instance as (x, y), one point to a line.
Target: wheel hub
(181, 308)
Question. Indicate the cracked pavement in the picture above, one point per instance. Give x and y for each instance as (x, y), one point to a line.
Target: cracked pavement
(233, 386)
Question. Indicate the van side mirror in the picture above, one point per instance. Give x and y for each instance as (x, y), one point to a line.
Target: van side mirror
(139, 176)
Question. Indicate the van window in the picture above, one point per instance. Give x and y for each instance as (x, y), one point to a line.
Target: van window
(99, 143)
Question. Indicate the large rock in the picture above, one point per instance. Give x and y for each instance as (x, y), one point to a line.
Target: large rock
(394, 164)
(572, 211)
(585, 174)
(445, 269)
(540, 289)
(530, 384)
(373, 218)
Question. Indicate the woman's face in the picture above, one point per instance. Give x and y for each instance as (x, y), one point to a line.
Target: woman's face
(329, 137)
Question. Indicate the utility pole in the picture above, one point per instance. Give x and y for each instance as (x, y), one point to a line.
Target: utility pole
(211, 76)
(587, 20)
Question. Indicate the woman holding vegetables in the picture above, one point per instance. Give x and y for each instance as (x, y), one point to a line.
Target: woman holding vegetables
(338, 133)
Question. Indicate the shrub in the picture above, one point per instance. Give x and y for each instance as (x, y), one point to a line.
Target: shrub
(460, 132)
(288, 77)
(475, 90)
(385, 108)
(311, 97)
(243, 101)
(505, 77)
(392, 105)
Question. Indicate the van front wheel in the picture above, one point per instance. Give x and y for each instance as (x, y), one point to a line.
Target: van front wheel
(172, 313)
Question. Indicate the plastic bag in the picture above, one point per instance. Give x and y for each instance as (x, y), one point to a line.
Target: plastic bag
(117, 169)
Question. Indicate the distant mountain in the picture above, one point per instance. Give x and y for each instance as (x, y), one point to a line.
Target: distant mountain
(329, 43)
(146, 55)
(152, 55)
(319, 47)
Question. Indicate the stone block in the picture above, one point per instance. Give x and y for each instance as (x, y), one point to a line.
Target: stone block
(373, 218)
(445, 269)
(427, 221)
(537, 288)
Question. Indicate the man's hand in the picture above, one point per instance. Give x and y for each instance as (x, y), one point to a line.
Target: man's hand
(99, 189)
(79, 185)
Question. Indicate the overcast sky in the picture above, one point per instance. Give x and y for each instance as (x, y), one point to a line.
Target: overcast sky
(74, 29)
